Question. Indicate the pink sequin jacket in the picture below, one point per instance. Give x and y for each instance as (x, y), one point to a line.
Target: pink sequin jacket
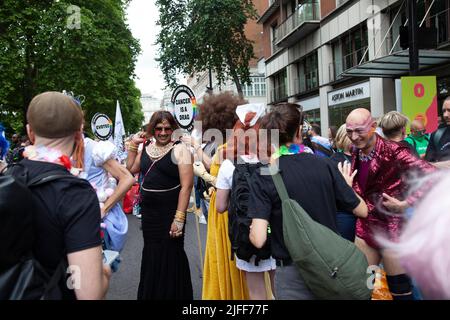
(388, 173)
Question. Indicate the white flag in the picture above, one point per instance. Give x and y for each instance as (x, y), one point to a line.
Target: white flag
(119, 134)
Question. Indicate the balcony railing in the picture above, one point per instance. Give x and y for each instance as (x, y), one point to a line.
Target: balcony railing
(348, 61)
(275, 47)
(304, 13)
(306, 82)
(278, 94)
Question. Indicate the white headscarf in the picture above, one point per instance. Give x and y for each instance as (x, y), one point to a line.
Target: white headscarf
(242, 111)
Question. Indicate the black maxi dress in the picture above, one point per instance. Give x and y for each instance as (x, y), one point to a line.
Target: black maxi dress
(165, 273)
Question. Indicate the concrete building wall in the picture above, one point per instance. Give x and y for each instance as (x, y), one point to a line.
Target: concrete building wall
(336, 21)
(150, 105)
(267, 34)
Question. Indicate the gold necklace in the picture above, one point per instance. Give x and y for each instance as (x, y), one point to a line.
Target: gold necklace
(156, 152)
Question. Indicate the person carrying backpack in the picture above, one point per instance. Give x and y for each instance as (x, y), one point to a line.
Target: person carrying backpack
(438, 149)
(314, 182)
(50, 220)
(232, 195)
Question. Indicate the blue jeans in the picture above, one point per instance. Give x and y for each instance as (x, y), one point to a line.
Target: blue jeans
(346, 224)
(205, 208)
(106, 246)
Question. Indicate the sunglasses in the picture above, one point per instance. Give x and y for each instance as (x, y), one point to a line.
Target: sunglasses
(161, 129)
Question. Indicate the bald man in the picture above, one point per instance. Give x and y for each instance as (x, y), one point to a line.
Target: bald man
(381, 166)
(418, 138)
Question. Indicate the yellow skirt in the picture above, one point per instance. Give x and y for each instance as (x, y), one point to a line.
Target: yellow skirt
(221, 279)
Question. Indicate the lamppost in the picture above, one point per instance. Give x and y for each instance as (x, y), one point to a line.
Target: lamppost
(209, 89)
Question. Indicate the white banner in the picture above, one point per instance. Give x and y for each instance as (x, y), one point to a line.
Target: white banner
(119, 134)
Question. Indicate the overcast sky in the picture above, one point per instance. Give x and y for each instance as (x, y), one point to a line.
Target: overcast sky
(142, 17)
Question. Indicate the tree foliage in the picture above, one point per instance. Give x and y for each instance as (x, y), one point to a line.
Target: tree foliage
(197, 35)
(42, 49)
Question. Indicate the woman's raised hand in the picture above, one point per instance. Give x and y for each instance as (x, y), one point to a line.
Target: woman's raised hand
(138, 138)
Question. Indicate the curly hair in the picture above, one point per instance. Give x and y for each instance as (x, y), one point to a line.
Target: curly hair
(218, 111)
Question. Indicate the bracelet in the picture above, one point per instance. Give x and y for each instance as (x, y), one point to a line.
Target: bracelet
(180, 216)
(132, 149)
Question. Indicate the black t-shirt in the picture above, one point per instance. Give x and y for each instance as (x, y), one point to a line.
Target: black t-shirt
(66, 219)
(441, 151)
(314, 182)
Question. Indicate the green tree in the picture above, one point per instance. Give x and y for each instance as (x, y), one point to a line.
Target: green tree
(83, 46)
(197, 35)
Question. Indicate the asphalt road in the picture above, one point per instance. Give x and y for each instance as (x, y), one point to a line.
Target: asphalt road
(124, 283)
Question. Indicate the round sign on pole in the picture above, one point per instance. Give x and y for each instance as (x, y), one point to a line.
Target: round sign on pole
(101, 126)
(184, 105)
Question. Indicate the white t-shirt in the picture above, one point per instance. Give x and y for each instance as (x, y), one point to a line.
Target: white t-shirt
(225, 176)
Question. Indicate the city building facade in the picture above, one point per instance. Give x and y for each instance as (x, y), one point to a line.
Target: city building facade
(332, 56)
(150, 105)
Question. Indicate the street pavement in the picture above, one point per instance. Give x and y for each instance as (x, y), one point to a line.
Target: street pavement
(124, 283)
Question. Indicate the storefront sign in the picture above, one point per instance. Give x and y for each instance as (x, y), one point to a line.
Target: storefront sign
(184, 106)
(349, 94)
(102, 126)
(419, 100)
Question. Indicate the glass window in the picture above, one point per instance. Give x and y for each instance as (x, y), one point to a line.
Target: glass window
(257, 88)
(349, 50)
(313, 116)
(307, 74)
(279, 91)
(338, 115)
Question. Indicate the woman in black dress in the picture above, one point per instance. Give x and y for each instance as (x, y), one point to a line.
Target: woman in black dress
(167, 173)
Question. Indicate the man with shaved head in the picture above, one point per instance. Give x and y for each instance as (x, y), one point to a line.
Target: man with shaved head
(418, 138)
(66, 212)
(380, 180)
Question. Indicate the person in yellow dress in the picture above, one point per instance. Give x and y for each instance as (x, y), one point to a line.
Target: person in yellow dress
(221, 279)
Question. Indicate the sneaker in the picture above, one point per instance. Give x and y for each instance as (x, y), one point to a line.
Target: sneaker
(202, 220)
(139, 216)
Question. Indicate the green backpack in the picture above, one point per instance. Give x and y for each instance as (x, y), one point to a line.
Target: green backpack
(332, 267)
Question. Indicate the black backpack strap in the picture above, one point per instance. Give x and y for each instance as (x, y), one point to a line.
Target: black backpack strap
(48, 177)
(437, 137)
(59, 273)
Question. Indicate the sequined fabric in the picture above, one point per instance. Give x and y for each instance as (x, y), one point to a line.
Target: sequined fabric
(388, 172)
